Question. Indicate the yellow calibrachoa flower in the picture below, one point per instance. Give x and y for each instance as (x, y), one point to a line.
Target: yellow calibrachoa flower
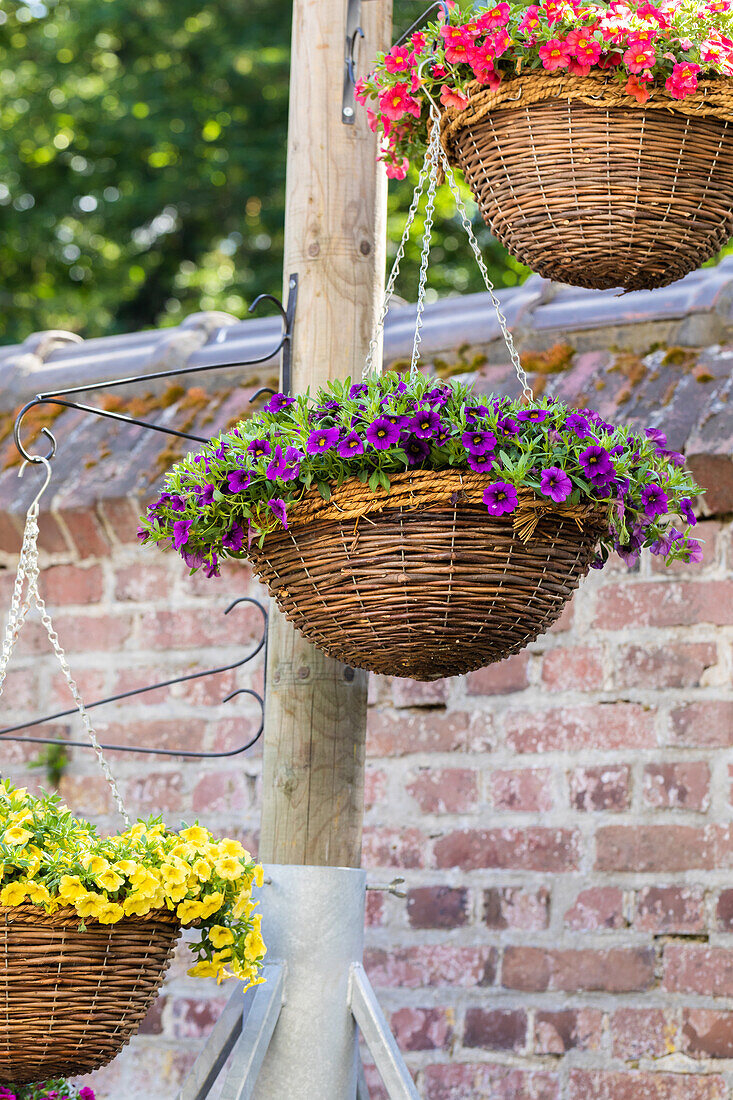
(52, 859)
(16, 836)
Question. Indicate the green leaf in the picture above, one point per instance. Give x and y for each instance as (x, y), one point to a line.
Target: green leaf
(324, 489)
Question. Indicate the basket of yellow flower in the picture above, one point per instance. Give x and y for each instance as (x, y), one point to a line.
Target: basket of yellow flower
(88, 926)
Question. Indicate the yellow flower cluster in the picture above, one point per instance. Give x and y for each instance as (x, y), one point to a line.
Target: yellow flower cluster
(52, 859)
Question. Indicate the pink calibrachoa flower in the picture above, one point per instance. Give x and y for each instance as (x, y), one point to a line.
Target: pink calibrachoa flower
(499, 42)
(583, 45)
(496, 17)
(636, 86)
(451, 97)
(554, 10)
(610, 60)
(554, 55)
(397, 170)
(683, 81)
(396, 102)
(457, 41)
(579, 68)
(650, 11)
(530, 21)
(640, 56)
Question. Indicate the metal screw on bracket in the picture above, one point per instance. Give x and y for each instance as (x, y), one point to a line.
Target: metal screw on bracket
(392, 887)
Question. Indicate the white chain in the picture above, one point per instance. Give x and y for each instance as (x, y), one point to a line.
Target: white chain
(433, 157)
(374, 342)
(28, 572)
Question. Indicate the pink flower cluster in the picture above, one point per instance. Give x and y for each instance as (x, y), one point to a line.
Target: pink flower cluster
(643, 45)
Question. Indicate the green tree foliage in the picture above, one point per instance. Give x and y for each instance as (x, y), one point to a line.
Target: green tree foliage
(142, 164)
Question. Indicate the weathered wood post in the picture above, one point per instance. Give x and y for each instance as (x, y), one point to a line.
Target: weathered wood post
(313, 789)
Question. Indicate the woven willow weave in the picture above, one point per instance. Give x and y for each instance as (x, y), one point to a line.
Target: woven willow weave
(70, 1000)
(422, 582)
(588, 187)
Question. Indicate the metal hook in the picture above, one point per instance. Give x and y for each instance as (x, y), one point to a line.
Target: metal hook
(288, 316)
(442, 5)
(44, 431)
(42, 490)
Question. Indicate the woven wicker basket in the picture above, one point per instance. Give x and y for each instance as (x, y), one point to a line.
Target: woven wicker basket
(70, 1000)
(423, 582)
(588, 187)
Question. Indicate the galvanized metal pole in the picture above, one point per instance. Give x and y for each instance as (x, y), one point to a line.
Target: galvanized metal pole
(313, 791)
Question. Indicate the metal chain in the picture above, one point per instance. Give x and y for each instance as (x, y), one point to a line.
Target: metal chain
(461, 206)
(433, 157)
(399, 256)
(28, 571)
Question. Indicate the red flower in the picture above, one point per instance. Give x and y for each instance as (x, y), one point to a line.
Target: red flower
(554, 54)
(530, 20)
(396, 102)
(451, 97)
(636, 87)
(583, 45)
(610, 60)
(497, 17)
(639, 56)
(457, 41)
(396, 61)
(554, 10)
(397, 170)
(683, 81)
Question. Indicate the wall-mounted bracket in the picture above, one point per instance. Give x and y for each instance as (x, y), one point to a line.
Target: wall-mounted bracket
(354, 32)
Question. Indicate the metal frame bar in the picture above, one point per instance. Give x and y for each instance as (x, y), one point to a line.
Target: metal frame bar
(379, 1039)
(441, 5)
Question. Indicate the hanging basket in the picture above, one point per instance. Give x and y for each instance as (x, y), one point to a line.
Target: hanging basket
(70, 1000)
(423, 582)
(586, 186)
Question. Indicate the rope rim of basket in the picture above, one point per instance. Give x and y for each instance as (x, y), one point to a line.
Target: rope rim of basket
(713, 99)
(66, 916)
(413, 490)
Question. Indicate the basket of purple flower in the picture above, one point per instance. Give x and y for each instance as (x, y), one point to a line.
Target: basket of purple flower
(418, 529)
(57, 1089)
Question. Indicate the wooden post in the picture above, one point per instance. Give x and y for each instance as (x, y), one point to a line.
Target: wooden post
(315, 725)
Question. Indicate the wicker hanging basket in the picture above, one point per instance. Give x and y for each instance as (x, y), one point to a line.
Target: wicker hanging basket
(588, 187)
(423, 582)
(70, 1000)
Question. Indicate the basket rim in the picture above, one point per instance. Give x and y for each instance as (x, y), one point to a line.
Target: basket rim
(66, 916)
(713, 99)
(413, 489)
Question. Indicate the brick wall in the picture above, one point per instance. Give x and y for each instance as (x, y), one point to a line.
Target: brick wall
(563, 821)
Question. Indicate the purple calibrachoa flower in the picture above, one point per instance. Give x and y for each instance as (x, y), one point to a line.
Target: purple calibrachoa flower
(177, 503)
(322, 440)
(425, 423)
(597, 466)
(655, 501)
(555, 484)
(293, 459)
(508, 425)
(259, 448)
(194, 559)
(382, 433)
(211, 567)
(533, 416)
(351, 446)
(234, 538)
(238, 480)
(685, 510)
(656, 436)
(481, 464)
(357, 390)
(276, 464)
(279, 511)
(143, 537)
(500, 498)
(578, 424)
(180, 532)
(478, 442)
(695, 551)
(416, 449)
(665, 542)
(204, 495)
(278, 402)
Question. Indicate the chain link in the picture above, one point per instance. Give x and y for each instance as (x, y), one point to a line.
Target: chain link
(28, 574)
(433, 157)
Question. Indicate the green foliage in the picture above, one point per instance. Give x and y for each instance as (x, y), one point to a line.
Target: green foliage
(142, 164)
(54, 759)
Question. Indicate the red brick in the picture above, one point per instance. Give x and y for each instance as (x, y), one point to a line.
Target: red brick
(384, 847)
(500, 679)
(595, 908)
(664, 604)
(375, 787)
(87, 795)
(143, 583)
(152, 733)
(422, 1028)
(513, 907)
(570, 1029)
(122, 517)
(52, 537)
(437, 907)
(495, 1029)
(189, 628)
(598, 1085)
(414, 693)
(707, 1033)
(92, 633)
(706, 724)
(682, 785)
(91, 684)
(394, 733)
(431, 964)
(526, 790)
(642, 1033)
(618, 970)
(668, 909)
(576, 669)
(605, 726)
(724, 911)
(86, 532)
(11, 533)
(461, 1081)
(154, 792)
(219, 792)
(374, 917)
(600, 788)
(445, 790)
(674, 665)
(194, 1017)
(698, 968)
(655, 848)
(70, 584)
(153, 1022)
(532, 849)
(20, 690)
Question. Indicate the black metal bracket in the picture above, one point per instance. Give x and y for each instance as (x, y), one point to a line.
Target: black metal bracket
(6, 733)
(353, 33)
(288, 316)
(62, 397)
(441, 5)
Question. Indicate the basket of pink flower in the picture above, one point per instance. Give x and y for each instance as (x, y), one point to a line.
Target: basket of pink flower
(415, 529)
(595, 137)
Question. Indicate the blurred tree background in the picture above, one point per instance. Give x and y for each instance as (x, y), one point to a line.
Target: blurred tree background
(142, 165)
